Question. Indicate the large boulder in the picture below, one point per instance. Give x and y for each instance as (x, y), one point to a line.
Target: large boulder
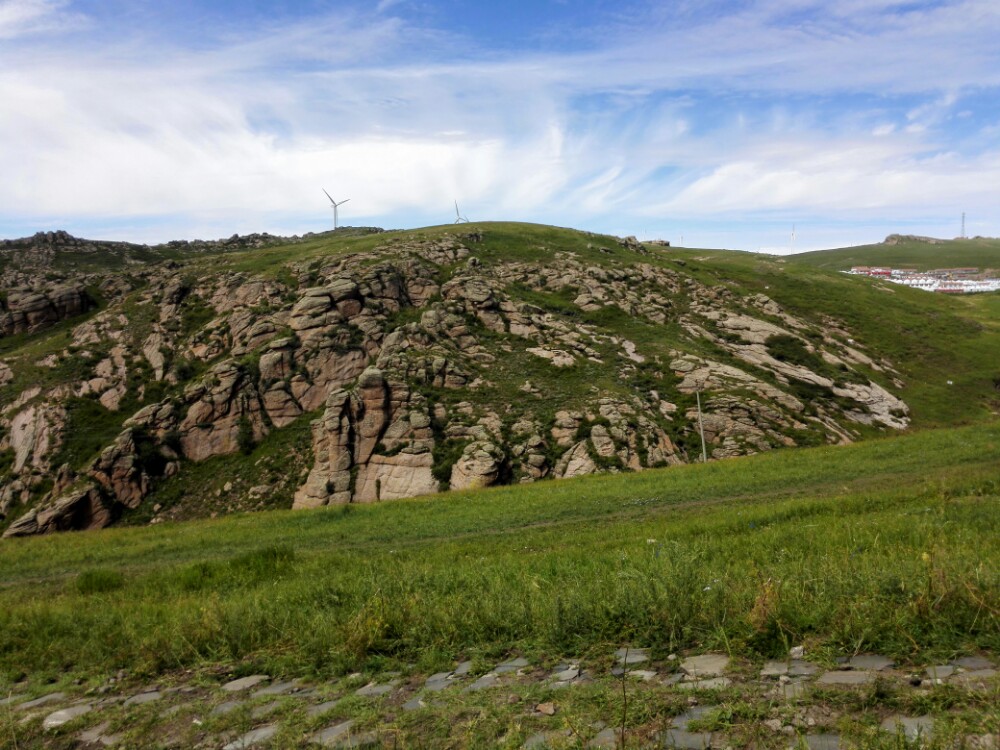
(479, 466)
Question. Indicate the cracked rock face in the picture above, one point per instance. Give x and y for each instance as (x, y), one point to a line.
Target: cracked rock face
(29, 311)
(427, 364)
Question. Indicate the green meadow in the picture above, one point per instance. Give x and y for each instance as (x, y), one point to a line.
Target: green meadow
(887, 546)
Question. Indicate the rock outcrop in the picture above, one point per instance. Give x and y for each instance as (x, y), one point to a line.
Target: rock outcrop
(356, 424)
(430, 363)
(79, 510)
(29, 311)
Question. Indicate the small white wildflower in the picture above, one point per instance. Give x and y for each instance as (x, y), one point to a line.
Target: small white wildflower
(650, 541)
(707, 588)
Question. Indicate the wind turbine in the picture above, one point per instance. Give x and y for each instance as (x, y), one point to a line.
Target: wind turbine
(459, 219)
(335, 204)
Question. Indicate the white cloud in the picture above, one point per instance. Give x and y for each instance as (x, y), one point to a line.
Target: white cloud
(24, 17)
(392, 116)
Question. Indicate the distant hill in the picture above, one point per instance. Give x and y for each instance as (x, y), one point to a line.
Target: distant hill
(921, 253)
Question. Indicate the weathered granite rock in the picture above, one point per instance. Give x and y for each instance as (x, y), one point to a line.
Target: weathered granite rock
(218, 405)
(35, 432)
(479, 466)
(31, 311)
(80, 509)
(346, 467)
(575, 462)
(120, 472)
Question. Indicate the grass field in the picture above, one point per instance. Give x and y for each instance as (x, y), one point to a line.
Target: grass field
(887, 545)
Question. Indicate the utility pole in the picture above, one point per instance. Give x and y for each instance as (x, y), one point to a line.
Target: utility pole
(701, 427)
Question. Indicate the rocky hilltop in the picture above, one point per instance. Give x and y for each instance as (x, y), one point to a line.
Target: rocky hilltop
(412, 362)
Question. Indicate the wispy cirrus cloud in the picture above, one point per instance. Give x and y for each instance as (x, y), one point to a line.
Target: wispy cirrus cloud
(19, 18)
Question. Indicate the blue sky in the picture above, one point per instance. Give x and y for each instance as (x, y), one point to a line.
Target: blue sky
(722, 123)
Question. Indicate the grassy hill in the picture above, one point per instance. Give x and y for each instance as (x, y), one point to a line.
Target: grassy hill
(980, 252)
(194, 315)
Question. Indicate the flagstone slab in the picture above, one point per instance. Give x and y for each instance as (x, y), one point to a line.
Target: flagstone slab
(541, 739)
(627, 656)
(143, 698)
(45, 700)
(488, 680)
(940, 672)
(245, 683)
(566, 674)
(414, 704)
(911, 727)
(712, 683)
(65, 716)
(706, 665)
(340, 736)
(511, 666)
(873, 662)
(845, 678)
(327, 737)
(646, 675)
(438, 682)
(375, 690)
(801, 668)
(278, 688)
(96, 735)
(972, 662)
(253, 738)
(774, 669)
(694, 713)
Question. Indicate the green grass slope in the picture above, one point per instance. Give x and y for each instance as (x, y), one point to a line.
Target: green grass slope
(886, 546)
(980, 252)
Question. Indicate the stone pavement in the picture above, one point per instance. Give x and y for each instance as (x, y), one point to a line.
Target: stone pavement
(257, 711)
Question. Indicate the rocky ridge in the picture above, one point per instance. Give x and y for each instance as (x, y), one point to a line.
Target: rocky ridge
(427, 363)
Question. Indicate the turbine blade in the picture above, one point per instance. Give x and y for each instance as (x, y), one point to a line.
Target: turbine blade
(343, 201)
(328, 196)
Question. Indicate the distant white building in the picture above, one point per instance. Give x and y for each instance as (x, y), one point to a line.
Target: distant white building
(942, 280)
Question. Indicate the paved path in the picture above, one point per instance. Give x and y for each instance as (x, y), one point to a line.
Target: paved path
(258, 711)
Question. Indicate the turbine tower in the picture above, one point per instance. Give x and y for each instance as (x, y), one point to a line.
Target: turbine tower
(335, 204)
(459, 219)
